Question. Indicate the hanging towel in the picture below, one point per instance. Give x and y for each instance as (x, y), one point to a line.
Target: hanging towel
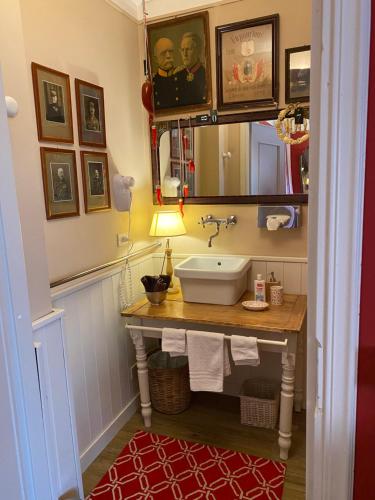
(173, 340)
(244, 350)
(208, 360)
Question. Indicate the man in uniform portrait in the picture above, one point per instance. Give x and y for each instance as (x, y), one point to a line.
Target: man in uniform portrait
(91, 120)
(61, 185)
(54, 110)
(192, 78)
(165, 82)
(96, 179)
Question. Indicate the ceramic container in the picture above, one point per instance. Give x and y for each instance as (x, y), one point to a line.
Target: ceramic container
(276, 295)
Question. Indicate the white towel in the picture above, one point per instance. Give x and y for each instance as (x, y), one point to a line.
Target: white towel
(173, 340)
(244, 350)
(208, 360)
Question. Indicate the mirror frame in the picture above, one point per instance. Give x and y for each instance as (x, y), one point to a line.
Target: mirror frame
(165, 126)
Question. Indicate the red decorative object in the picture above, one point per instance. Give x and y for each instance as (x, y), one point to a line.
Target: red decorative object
(186, 190)
(296, 150)
(154, 135)
(147, 98)
(158, 467)
(181, 206)
(159, 196)
(191, 166)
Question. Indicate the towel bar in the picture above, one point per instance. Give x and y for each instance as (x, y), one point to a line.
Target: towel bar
(282, 343)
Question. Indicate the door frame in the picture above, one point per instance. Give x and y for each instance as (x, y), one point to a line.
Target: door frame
(16, 338)
(340, 52)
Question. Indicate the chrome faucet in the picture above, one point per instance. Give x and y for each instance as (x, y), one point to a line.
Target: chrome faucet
(210, 219)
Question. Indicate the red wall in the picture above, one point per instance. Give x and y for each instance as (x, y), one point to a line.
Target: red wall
(364, 485)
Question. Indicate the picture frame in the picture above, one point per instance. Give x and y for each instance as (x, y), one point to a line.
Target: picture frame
(59, 173)
(247, 63)
(297, 74)
(95, 176)
(179, 55)
(90, 114)
(53, 107)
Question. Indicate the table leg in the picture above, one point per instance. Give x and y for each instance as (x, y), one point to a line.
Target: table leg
(286, 404)
(144, 389)
(298, 398)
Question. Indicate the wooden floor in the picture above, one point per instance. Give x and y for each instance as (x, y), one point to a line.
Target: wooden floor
(214, 419)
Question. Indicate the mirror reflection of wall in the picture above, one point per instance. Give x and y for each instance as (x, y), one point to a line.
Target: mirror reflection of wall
(232, 160)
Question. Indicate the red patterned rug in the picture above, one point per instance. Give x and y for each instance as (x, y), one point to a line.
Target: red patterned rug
(156, 467)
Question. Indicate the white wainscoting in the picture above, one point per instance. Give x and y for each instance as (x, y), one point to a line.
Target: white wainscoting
(100, 355)
(57, 406)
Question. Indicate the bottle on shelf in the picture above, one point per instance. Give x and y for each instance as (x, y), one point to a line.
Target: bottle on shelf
(260, 289)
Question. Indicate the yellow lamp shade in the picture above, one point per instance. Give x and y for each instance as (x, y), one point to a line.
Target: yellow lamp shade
(168, 223)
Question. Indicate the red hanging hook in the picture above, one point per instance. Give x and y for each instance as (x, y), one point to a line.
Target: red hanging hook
(154, 136)
(181, 206)
(159, 196)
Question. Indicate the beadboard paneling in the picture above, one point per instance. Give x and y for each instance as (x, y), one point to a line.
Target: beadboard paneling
(101, 356)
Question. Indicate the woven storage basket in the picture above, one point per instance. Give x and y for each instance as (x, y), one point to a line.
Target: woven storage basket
(169, 383)
(260, 400)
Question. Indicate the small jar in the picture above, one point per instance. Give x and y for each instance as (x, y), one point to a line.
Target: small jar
(277, 298)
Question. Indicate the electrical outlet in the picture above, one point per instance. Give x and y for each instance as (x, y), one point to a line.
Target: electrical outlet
(122, 239)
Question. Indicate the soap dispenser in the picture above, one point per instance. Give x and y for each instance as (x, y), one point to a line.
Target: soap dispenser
(260, 289)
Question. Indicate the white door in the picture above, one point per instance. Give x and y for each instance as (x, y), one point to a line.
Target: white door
(24, 469)
(267, 161)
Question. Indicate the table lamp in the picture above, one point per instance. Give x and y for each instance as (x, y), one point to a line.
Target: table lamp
(168, 223)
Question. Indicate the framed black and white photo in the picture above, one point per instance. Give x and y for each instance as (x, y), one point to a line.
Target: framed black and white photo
(60, 185)
(297, 74)
(90, 114)
(95, 181)
(53, 107)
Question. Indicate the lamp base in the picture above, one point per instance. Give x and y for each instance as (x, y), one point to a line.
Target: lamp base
(173, 290)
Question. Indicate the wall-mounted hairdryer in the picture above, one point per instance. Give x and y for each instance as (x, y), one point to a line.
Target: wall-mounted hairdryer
(121, 192)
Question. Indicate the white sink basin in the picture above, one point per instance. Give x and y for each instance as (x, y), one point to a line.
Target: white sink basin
(213, 280)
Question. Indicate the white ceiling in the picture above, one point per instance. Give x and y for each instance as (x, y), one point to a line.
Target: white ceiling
(158, 8)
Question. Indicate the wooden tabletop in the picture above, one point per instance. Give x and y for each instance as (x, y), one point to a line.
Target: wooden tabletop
(286, 318)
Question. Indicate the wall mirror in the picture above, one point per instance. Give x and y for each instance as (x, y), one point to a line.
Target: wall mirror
(240, 159)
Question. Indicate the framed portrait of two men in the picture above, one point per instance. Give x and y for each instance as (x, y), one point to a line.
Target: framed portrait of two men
(179, 56)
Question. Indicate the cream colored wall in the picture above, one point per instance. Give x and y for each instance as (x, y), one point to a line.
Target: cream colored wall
(90, 40)
(244, 238)
(26, 156)
(295, 30)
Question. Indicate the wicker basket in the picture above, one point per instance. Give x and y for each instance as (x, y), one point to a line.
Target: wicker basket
(169, 383)
(260, 400)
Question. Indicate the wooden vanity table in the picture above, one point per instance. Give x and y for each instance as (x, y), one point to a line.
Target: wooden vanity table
(278, 329)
